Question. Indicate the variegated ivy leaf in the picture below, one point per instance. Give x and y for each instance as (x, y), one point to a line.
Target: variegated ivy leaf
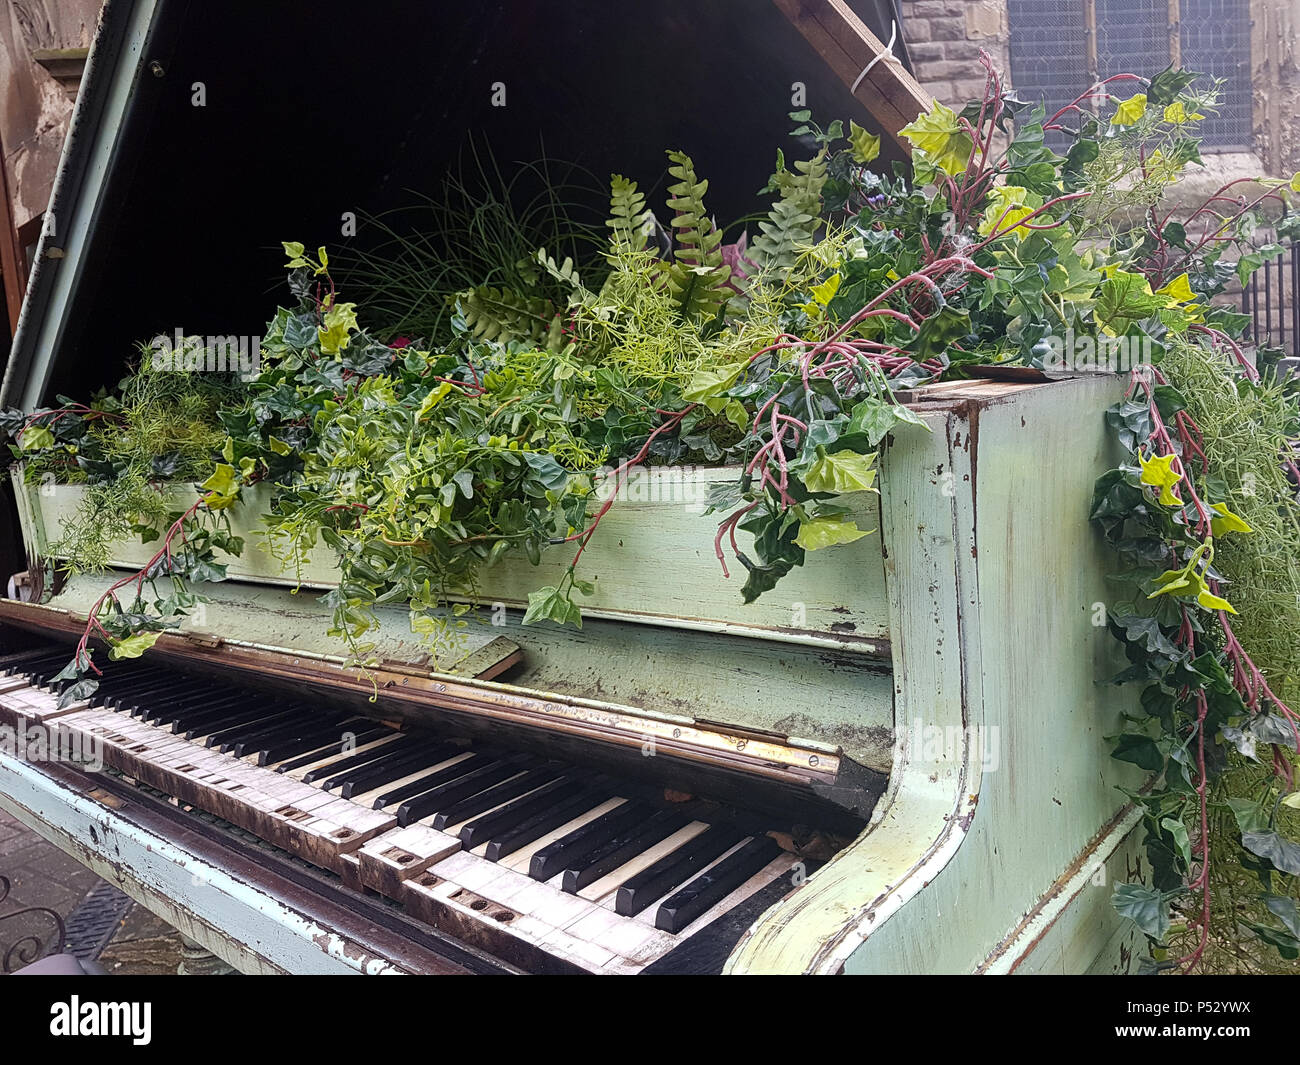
(827, 532)
(938, 134)
(1130, 110)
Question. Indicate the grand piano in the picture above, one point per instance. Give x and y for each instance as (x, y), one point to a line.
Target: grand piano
(896, 765)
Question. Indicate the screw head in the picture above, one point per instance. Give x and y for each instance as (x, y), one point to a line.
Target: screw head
(813, 759)
(156, 69)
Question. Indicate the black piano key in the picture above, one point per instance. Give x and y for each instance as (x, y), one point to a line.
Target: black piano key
(494, 796)
(438, 776)
(410, 750)
(539, 824)
(279, 728)
(111, 686)
(155, 702)
(360, 758)
(621, 849)
(16, 663)
(200, 713)
(715, 884)
(159, 705)
(313, 746)
(222, 739)
(30, 669)
(376, 774)
(673, 869)
(310, 720)
(212, 725)
(430, 802)
(498, 822)
(575, 845)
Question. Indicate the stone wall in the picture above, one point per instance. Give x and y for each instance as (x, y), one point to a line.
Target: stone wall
(944, 38)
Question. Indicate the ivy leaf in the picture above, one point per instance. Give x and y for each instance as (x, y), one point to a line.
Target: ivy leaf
(74, 693)
(1166, 85)
(133, 646)
(34, 438)
(841, 473)
(944, 142)
(1159, 472)
(1140, 750)
(1179, 832)
(1130, 110)
(864, 146)
(435, 397)
(222, 487)
(1249, 816)
(706, 384)
(1124, 299)
(1281, 853)
(1146, 907)
(827, 532)
(549, 604)
(1225, 521)
(939, 332)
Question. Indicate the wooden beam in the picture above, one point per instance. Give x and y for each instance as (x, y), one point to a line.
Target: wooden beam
(13, 264)
(889, 92)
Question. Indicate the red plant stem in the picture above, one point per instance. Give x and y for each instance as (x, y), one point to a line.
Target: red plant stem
(584, 536)
(92, 622)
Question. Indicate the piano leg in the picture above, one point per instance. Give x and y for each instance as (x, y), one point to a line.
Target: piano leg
(197, 960)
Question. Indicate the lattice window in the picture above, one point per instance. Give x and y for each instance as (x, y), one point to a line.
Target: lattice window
(1060, 47)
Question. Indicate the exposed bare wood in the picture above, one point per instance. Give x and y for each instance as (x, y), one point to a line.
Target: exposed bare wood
(888, 91)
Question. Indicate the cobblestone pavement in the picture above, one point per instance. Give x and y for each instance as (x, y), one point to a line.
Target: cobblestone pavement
(40, 874)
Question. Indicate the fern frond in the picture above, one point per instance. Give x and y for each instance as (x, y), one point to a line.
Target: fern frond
(629, 217)
(697, 277)
(565, 273)
(793, 222)
(497, 314)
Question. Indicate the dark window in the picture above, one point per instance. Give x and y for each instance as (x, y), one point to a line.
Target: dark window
(1060, 47)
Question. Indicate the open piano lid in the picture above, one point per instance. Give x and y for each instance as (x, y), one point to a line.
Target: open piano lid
(180, 174)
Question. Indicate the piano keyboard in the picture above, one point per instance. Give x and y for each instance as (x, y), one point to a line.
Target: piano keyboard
(564, 867)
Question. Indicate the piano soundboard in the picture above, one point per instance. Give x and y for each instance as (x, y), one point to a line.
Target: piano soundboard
(552, 865)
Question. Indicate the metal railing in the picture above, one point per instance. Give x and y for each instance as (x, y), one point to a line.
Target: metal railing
(1270, 298)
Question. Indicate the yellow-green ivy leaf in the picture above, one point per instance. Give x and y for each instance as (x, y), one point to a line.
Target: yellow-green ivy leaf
(944, 142)
(865, 146)
(133, 646)
(1179, 289)
(1225, 521)
(222, 487)
(340, 320)
(433, 399)
(736, 414)
(1011, 201)
(1292, 800)
(294, 250)
(1130, 110)
(842, 472)
(707, 383)
(827, 532)
(825, 292)
(1176, 114)
(1172, 582)
(35, 437)
(1210, 601)
(278, 446)
(1159, 473)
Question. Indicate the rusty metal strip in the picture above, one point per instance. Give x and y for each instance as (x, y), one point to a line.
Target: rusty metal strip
(800, 763)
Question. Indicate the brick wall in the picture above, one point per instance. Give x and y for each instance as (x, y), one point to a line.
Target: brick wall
(944, 38)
